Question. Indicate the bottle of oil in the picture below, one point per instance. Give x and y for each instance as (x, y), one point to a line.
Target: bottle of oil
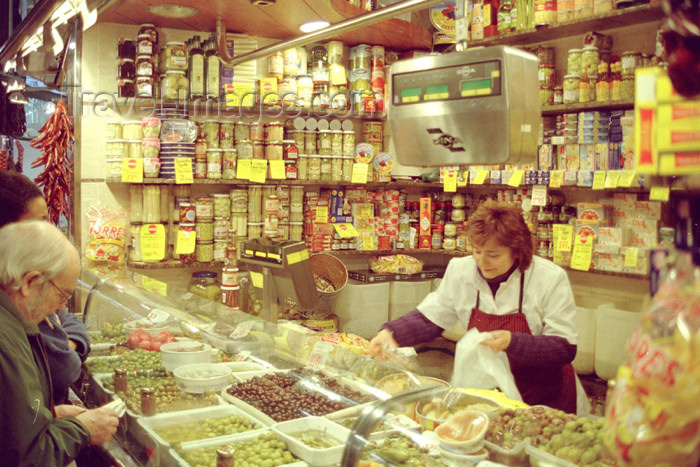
(212, 66)
(196, 68)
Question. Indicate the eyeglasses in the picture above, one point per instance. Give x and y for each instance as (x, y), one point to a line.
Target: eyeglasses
(67, 297)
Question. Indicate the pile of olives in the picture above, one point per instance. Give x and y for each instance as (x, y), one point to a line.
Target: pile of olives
(110, 333)
(580, 442)
(203, 429)
(332, 384)
(264, 451)
(158, 379)
(168, 397)
(511, 427)
(274, 395)
(397, 449)
(130, 360)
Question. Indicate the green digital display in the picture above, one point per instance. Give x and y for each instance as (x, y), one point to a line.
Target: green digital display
(411, 95)
(476, 84)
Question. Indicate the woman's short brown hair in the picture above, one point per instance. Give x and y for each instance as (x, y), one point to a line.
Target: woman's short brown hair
(504, 224)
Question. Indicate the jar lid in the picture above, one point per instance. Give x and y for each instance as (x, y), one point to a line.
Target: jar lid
(175, 72)
(116, 141)
(255, 223)
(296, 223)
(590, 48)
(255, 124)
(144, 78)
(631, 52)
(324, 131)
(132, 122)
(232, 287)
(273, 142)
(572, 76)
(144, 25)
(124, 81)
(290, 141)
(220, 240)
(220, 195)
(575, 51)
(175, 43)
(113, 122)
(115, 159)
(144, 57)
(122, 60)
(214, 150)
(274, 124)
(247, 141)
(347, 132)
(303, 76)
(187, 225)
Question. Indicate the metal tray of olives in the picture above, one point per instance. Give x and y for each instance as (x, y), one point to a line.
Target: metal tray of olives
(155, 442)
(171, 458)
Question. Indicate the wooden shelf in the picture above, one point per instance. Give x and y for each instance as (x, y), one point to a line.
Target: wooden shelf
(612, 20)
(413, 251)
(626, 104)
(279, 20)
(173, 264)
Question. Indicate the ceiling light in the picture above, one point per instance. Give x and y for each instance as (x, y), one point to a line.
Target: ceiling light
(71, 45)
(168, 10)
(18, 97)
(312, 26)
(262, 2)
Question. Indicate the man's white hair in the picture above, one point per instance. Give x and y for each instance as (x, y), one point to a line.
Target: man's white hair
(32, 245)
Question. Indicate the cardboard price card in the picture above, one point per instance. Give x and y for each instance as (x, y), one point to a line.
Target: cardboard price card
(582, 254)
(359, 173)
(242, 329)
(258, 170)
(480, 177)
(277, 171)
(322, 213)
(345, 230)
(319, 354)
(612, 179)
(257, 279)
(599, 180)
(556, 177)
(539, 195)
(153, 242)
(626, 178)
(183, 170)
(450, 181)
(562, 234)
(241, 356)
(185, 243)
(659, 193)
(631, 256)
(132, 170)
(243, 169)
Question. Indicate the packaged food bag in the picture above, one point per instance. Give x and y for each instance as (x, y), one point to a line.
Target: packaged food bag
(653, 411)
(395, 264)
(107, 233)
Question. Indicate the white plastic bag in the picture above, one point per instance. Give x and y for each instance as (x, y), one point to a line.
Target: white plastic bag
(477, 366)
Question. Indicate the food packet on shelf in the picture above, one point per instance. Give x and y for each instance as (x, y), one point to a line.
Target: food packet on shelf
(653, 414)
(395, 264)
(346, 347)
(107, 233)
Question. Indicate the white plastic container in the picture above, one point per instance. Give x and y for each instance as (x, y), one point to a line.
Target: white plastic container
(199, 377)
(585, 352)
(314, 456)
(177, 354)
(404, 296)
(354, 300)
(613, 328)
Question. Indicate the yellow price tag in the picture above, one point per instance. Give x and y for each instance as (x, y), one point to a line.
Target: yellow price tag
(359, 173)
(155, 286)
(277, 171)
(183, 170)
(464, 179)
(557, 257)
(517, 178)
(562, 234)
(626, 178)
(293, 258)
(257, 279)
(321, 214)
(556, 178)
(243, 169)
(480, 177)
(304, 254)
(345, 230)
(612, 179)
(582, 254)
(631, 256)
(659, 193)
(185, 242)
(449, 181)
(152, 242)
(258, 170)
(368, 243)
(132, 170)
(599, 179)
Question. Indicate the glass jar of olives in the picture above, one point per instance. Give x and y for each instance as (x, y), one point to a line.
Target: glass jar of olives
(204, 284)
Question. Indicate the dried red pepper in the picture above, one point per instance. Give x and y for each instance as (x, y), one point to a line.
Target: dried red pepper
(54, 140)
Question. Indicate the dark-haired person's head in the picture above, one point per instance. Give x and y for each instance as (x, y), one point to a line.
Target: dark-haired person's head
(20, 199)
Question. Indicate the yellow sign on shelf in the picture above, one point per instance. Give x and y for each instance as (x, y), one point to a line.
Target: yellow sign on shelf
(480, 177)
(132, 170)
(631, 256)
(257, 279)
(321, 214)
(562, 234)
(449, 181)
(517, 178)
(659, 193)
(152, 242)
(154, 286)
(626, 178)
(258, 170)
(183, 170)
(345, 230)
(359, 173)
(582, 254)
(243, 169)
(612, 179)
(277, 171)
(556, 178)
(185, 243)
(599, 180)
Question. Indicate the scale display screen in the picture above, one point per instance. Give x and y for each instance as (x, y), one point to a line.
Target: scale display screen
(464, 81)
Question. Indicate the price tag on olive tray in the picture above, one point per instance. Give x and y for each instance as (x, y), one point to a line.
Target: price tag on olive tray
(346, 230)
(241, 356)
(599, 179)
(277, 171)
(257, 279)
(516, 178)
(258, 170)
(185, 243)
(242, 329)
(243, 169)
(183, 170)
(158, 316)
(449, 181)
(321, 214)
(659, 193)
(319, 354)
(556, 177)
(132, 170)
(539, 195)
(154, 286)
(562, 234)
(153, 242)
(626, 178)
(612, 179)
(583, 253)
(631, 256)
(480, 176)
(359, 173)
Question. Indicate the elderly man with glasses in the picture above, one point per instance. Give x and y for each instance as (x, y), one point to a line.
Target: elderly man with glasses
(39, 269)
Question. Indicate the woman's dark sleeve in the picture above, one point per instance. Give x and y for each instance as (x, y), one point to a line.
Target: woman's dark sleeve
(75, 329)
(540, 351)
(412, 329)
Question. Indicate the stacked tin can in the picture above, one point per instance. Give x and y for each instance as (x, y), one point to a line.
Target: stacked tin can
(373, 134)
(360, 63)
(222, 224)
(547, 74)
(239, 212)
(296, 213)
(229, 286)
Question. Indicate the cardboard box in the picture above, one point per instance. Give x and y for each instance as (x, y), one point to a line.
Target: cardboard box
(649, 208)
(266, 91)
(363, 210)
(644, 241)
(587, 157)
(585, 178)
(586, 228)
(609, 262)
(613, 236)
(590, 211)
(424, 216)
(624, 201)
(682, 113)
(645, 226)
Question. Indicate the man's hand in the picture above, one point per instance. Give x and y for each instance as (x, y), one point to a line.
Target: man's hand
(101, 423)
(500, 340)
(68, 410)
(384, 340)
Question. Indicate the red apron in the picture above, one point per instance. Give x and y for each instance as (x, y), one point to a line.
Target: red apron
(553, 387)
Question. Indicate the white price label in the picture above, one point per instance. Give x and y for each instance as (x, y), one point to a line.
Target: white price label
(242, 329)
(158, 316)
(539, 195)
(319, 354)
(240, 356)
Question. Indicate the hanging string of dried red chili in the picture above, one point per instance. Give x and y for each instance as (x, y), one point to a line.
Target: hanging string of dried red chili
(54, 140)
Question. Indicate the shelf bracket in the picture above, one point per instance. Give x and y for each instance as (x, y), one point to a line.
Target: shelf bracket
(350, 24)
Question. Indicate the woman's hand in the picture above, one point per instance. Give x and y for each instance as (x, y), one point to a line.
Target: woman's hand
(500, 340)
(383, 340)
